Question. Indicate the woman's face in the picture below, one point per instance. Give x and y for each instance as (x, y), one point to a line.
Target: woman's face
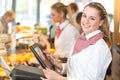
(12, 18)
(90, 20)
(55, 15)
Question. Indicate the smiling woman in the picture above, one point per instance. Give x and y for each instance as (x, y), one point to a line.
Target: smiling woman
(90, 53)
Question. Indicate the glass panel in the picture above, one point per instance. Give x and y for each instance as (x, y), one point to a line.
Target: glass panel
(5, 5)
(45, 20)
(26, 12)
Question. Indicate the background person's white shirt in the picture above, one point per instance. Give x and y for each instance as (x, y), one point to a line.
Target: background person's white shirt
(91, 63)
(64, 43)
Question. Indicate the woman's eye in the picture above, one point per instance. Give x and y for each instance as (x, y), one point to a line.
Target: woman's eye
(92, 18)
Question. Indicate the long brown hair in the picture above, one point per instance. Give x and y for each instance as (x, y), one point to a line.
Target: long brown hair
(73, 6)
(105, 28)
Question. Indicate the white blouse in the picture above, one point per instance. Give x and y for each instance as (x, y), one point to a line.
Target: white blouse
(64, 43)
(91, 63)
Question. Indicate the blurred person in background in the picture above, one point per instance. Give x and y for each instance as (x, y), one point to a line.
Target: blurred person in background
(90, 55)
(66, 33)
(74, 12)
(8, 17)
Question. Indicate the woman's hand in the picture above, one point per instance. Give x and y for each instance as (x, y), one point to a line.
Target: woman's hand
(52, 75)
(53, 59)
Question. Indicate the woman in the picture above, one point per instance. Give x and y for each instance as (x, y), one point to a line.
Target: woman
(91, 55)
(66, 33)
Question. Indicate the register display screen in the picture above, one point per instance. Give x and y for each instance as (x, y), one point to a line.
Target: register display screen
(37, 49)
(40, 56)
